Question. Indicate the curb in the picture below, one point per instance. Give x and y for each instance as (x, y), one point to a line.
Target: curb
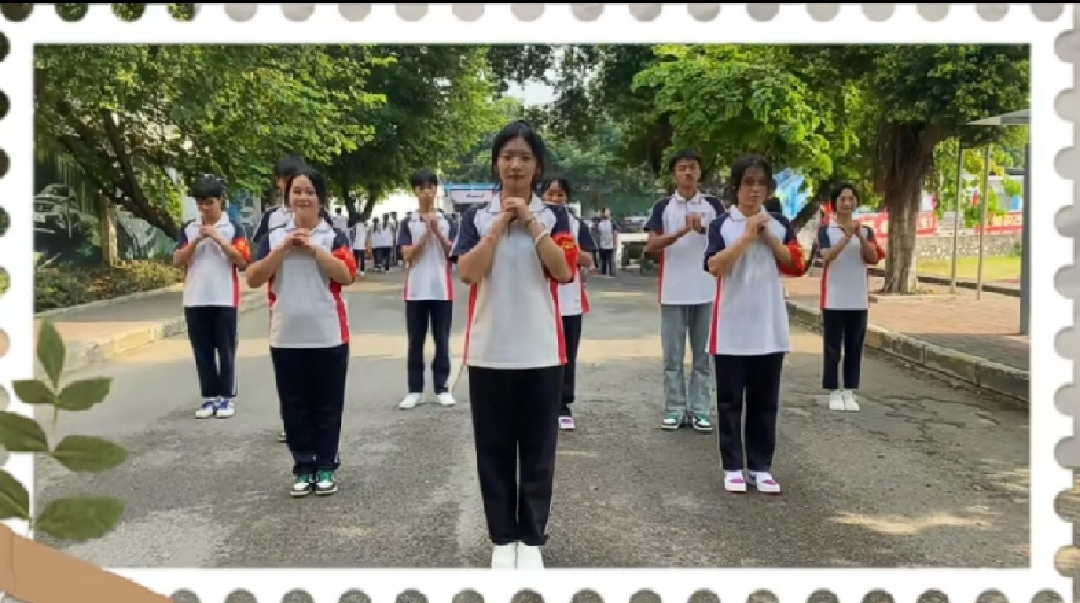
(978, 372)
(942, 280)
(104, 303)
(86, 354)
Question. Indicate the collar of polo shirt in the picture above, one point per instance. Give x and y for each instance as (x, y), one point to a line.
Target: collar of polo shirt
(535, 205)
(680, 199)
(737, 215)
(322, 226)
(224, 219)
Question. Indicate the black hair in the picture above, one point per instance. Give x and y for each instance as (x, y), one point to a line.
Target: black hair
(288, 166)
(839, 190)
(424, 178)
(208, 186)
(744, 164)
(317, 182)
(681, 156)
(563, 183)
(519, 129)
(774, 206)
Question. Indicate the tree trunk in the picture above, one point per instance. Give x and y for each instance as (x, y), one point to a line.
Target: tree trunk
(110, 249)
(905, 154)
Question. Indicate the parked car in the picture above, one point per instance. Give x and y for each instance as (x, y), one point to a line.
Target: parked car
(56, 213)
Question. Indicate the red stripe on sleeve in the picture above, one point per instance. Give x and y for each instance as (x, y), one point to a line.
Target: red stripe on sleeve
(345, 255)
(797, 267)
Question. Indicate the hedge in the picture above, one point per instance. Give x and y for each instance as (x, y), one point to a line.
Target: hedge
(64, 287)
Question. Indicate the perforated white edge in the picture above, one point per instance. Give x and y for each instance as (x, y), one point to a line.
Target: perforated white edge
(615, 24)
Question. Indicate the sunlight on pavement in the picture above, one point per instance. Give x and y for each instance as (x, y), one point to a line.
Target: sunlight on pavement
(897, 525)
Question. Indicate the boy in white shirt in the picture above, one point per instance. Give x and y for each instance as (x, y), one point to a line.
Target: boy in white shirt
(424, 238)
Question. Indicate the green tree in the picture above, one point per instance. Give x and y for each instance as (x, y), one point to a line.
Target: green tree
(918, 97)
(134, 116)
(439, 100)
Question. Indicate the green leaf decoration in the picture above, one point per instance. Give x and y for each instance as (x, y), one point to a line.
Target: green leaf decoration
(79, 519)
(84, 394)
(21, 434)
(14, 499)
(34, 391)
(88, 454)
(51, 351)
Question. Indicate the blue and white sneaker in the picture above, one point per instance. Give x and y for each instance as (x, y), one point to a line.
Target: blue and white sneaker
(208, 409)
(226, 408)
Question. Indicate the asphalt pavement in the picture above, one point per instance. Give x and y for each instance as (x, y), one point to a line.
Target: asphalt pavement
(925, 475)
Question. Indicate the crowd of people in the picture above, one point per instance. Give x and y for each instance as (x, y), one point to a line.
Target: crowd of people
(523, 256)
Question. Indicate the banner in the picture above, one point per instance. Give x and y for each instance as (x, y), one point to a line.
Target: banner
(470, 197)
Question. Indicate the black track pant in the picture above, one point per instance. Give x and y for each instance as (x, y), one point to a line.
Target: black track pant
(572, 336)
(212, 331)
(515, 415)
(311, 387)
(846, 330)
(361, 258)
(607, 262)
(757, 380)
(419, 316)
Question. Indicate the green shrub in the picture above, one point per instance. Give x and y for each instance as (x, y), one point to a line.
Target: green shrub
(71, 286)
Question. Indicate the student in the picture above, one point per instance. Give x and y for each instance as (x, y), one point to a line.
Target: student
(339, 220)
(573, 299)
(749, 249)
(847, 249)
(277, 214)
(677, 228)
(211, 250)
(360, 243)
(513, 252)
(395, 250)
(424, 237)
(607, 243)
(384, 242)
(305, 263)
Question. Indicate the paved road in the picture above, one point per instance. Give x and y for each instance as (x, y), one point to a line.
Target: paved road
(925, 475)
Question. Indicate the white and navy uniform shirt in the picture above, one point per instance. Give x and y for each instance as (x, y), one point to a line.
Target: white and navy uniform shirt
(514, 319)
(359, 236)
(340, 222)
(211, 279)
(429, 274)
(844, 281)
(605, 234)
(749, 311)
(573, 299)
(682, 281)
(382, 236)
(307, 309)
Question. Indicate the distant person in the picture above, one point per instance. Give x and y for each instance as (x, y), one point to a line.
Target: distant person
(607, 243)
(847, 249)
(211, 250)
(359, 235)
(275, 215)
(677, 227)
(339, 220)
(383, 243)
(305, 263)
(424, 238)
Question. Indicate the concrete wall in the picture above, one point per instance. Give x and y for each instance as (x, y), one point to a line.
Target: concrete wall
(967, 245)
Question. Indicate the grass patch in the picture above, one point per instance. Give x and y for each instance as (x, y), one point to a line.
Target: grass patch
(72, 286)
(995, 268)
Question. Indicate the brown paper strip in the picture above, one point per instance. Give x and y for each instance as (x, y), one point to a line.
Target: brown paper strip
(34, 573)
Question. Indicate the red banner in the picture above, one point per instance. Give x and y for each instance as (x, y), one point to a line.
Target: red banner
(927, 226)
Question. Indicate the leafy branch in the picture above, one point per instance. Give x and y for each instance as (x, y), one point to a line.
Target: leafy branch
(78, 518)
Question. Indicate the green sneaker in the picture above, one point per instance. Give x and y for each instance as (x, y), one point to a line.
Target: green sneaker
(673, 421)
(325, 483)
(304, 484)
(701, 423)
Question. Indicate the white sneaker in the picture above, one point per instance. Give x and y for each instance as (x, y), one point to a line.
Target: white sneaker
(207, 410)
(226, 408)
(504, 556)
(851, 402)
(764, 482)
(529, 557)
(734, 482)
(836, 401)
(446, 399)
(410, 401)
